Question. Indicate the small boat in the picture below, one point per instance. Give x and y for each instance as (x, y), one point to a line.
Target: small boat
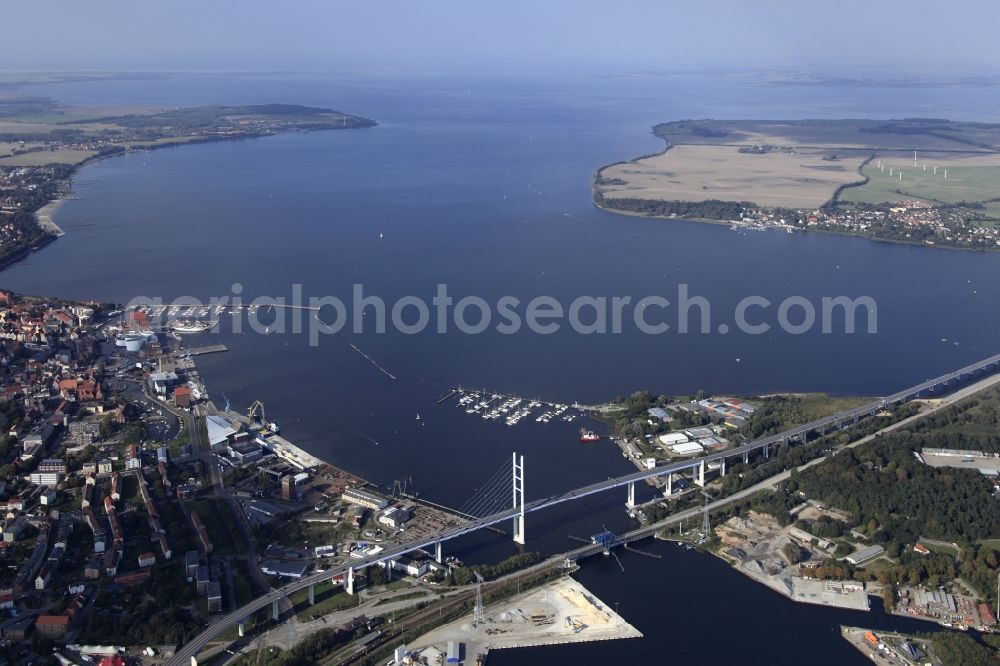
(418, 416)
(588, 436)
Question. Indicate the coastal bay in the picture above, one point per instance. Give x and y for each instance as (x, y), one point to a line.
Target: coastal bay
(521, 221)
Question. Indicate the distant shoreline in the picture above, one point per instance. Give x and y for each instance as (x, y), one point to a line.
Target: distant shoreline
(44, 216)
(792, 175)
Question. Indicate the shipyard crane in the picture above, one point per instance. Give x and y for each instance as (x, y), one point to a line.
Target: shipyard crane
(256, 414)
(255, 408)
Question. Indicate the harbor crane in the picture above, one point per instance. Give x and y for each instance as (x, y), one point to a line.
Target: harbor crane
(256, 414)
(255, 408)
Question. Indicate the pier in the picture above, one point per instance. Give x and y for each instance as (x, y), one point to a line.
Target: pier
(208, 349)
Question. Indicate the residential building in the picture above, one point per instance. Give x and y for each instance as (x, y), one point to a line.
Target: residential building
(182, 397)
(191, 563)
(116, 487)
(201, 533)
(84, 433)
(45, 478)
(201, 579)
(52, 626)
(52, 465)
(214, 593)
(13, 530)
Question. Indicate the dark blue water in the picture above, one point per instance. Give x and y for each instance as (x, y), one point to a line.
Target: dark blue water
(485, 187)
(693, 608)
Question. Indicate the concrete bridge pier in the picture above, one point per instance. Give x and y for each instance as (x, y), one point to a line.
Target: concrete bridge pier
(194, 660)
(349, 581)
(668, 486)
(518, 496)
(312, 594)
(388, 570)
(746, 457)
(722, 468)
(767, 451)
(438, 553)
(630, 502)
(700, 479)
(274, 610)
(241, 629)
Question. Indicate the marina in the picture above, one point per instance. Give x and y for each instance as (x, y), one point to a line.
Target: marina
(512, 409)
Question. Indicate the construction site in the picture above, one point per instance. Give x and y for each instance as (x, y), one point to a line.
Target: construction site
(755, 545)
(562, 611)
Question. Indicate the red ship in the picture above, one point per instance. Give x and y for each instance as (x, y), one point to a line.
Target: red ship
(588, 435)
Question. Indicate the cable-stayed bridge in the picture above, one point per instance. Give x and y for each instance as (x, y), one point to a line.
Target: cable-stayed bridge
(502, 497)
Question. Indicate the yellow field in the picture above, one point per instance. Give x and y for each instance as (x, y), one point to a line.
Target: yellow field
(8, 126)
(802, 179)
(43, 157)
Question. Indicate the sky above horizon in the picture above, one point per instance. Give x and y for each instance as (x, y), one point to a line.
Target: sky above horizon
(438, 36)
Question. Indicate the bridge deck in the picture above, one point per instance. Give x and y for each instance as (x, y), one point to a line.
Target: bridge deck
(182, 657)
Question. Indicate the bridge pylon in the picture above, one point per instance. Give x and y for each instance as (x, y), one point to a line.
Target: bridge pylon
(518, 497)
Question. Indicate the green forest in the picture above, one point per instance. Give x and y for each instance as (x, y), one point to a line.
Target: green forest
(894, 499)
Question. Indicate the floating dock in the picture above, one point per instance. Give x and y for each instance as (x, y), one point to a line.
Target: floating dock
(512, 408)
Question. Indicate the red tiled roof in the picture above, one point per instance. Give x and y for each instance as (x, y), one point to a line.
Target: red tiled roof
(52, 620)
